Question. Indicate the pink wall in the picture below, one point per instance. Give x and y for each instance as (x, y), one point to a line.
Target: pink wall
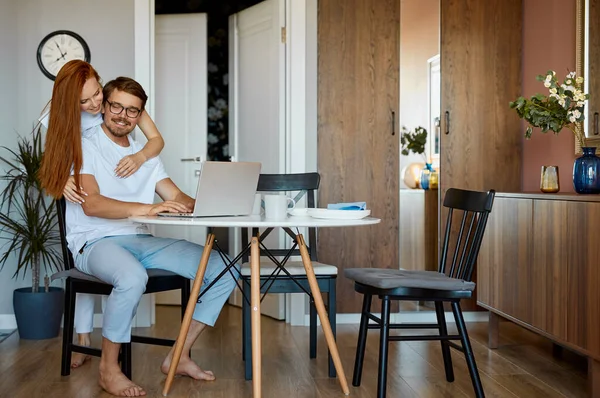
(548, 43)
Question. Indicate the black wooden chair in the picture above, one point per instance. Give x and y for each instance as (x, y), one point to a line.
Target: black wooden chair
(292, 277)
(450, 284)
(79, 282)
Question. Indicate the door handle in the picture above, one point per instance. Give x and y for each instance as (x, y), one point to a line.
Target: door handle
(196, 159)
(393, 123)
(447, 117)
(596, 132)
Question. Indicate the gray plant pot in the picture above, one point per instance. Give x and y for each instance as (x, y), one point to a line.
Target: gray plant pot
(38, 314)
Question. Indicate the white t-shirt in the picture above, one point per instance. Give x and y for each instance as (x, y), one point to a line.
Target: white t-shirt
(100, 158)
(88, 120)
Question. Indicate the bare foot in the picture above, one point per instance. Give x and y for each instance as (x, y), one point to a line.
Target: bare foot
(77, 358)
(114, 382)
(187, 367)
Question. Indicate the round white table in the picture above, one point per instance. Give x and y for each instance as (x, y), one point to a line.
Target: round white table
(257, 222)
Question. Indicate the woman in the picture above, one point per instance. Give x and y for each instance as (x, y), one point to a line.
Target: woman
(75, 108)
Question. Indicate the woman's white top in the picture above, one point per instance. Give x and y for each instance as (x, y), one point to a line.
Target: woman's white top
(88, 120)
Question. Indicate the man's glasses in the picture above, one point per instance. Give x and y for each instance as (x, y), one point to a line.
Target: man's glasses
(117, 109)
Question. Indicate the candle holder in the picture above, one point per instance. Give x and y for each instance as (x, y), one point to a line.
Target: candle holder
(549, 182)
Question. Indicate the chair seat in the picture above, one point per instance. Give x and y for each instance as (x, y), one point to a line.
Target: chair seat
(392, 278)
(295, 268)
(75, 273)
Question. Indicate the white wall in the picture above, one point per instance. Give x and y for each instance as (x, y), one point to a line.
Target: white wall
(108, 29)
(106, 26)
(8, 110)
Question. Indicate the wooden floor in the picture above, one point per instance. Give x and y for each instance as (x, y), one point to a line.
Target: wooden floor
(523, 366)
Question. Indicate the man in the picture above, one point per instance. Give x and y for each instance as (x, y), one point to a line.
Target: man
(107, 245)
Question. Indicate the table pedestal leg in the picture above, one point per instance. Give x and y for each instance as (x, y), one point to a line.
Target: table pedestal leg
(255, 317)
(320, 306)
(189, 311)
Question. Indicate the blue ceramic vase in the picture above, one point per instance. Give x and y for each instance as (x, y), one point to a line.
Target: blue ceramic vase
(585, 172)
(425, 174)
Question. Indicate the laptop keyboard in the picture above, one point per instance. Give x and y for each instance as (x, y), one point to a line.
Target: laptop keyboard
(176, 214)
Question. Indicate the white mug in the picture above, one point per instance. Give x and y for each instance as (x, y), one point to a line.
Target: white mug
(276, 206)
(257, 207)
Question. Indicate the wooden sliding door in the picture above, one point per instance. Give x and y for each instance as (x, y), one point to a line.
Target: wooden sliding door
(358, 155)
(481, 45)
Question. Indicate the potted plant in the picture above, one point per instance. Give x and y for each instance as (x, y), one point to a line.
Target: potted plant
(415, 141)
(563, 107)
(28, 227)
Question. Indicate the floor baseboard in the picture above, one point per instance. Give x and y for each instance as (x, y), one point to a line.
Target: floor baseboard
(8, 321)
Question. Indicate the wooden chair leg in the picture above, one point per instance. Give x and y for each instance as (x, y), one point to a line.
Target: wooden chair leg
(255, 317)
(246, 333)
(189, 311)
(362, 340)
(384, 337)
(331, 297)
(441, 319)
(322, 312)
(468, 351)
(185, 297)
(312, 331)
(68, 324)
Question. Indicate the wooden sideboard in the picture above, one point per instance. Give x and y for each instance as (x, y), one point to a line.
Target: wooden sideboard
(539, 266)
(419, 229)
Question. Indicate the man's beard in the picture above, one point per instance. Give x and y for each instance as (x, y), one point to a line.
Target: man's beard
(119, 133)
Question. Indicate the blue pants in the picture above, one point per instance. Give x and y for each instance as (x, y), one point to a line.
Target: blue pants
(123, 260)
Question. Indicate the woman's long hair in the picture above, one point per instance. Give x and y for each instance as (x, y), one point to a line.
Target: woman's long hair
(63, 139)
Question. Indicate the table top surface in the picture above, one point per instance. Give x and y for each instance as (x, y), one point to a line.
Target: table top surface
(255, 221)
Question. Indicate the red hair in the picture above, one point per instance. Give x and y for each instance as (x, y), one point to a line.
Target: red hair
(63, 138)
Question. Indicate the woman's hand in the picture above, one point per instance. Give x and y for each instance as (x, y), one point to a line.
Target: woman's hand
(130, 164)
(72, 194)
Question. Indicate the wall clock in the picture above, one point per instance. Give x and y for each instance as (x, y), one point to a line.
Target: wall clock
(58, 48)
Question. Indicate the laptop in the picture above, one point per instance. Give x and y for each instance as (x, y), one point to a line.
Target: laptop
(224, 189)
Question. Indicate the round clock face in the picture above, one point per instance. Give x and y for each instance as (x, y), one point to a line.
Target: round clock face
(58, 48)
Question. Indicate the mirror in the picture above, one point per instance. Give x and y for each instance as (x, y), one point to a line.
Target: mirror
(587, 64)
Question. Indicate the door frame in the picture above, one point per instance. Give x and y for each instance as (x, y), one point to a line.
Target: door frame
(144, 74)
(300, 138)
(301, 99)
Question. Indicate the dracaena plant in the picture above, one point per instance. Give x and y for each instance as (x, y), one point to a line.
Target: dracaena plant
(28, 221)
(561, 108)
(413, 141)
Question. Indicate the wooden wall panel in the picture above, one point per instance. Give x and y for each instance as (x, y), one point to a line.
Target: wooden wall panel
(358, 88)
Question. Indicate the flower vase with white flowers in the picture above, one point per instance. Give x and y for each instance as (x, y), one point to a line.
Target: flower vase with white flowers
(562, 107)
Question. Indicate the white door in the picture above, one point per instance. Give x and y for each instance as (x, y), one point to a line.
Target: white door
(257, 110)
(181, 111)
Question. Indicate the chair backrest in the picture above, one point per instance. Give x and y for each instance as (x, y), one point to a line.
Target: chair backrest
(303, 184)
(61, 207)
(462, 242)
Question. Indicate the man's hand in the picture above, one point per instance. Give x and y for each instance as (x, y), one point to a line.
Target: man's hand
(130, 164)
(168, 206)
